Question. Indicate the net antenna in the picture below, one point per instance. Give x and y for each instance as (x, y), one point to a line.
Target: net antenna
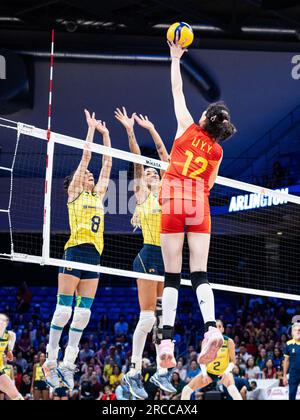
(49, 165)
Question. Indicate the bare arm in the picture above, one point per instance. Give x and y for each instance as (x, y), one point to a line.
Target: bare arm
(104, 176)
(286, 365)
(11, 341)
(231, 348)
(214, 174)
(159, 144)
(140, 187)
(76, 185)
(183, 116)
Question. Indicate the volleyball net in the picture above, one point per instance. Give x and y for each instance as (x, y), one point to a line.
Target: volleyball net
(255, 231)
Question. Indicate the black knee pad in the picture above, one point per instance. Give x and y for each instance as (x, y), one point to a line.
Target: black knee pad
(198, 278)
(173, 280)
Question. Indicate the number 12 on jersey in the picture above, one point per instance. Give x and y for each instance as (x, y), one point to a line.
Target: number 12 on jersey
(189, 160)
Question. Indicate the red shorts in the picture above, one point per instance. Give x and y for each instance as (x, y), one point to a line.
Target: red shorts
(178, 214)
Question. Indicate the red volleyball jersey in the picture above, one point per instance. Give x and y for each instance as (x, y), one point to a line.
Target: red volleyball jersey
(193, 158)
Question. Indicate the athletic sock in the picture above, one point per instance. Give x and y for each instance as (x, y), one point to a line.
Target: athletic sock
(143, 328)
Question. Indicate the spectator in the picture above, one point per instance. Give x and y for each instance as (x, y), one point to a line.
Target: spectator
(24, 297)
(87, 376)
(181, 370)
(24, 343)
(96, 387)
(108, 369)
(178, 384)
(252, 371)
(193, 371)
(262, 359)
(86, 390)
(277, 358)
(86, 352)
(25, 387)
(121, 327)
(116, 377)
(21, 362)
(269, 372)
(108, 394)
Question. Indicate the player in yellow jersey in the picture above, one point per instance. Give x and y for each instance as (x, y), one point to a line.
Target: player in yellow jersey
(9, 371)
(218, 371)
(149, 260)
(7, 343)
(39, 387)
(85, 245)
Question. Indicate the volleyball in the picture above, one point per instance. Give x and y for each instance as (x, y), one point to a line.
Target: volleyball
(184, 32)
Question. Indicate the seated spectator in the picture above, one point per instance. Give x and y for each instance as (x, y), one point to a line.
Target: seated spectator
(25, 387)
(112, 354)
(86, 352)
(181, 370)
(116, 376)
(86, 390)
(21, 362)
(24, 343)
(269, 372)
(24, 297)
(121, 327)
(178, 384)
(108, 369)
(96, 387)
(86, 377)
(252, 371)
(193, 370)
(108, 394)
(262, 359)
(104, 324)
(277, 358)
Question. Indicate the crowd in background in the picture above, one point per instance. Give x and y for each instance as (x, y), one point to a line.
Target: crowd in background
(259, 328)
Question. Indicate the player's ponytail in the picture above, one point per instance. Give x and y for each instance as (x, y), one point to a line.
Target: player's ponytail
(67, 181)
(217, 123)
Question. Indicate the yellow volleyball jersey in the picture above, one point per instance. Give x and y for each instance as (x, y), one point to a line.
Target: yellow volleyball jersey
(220, 364)
(3, 346)
(86, 219)
(39, 376)
(149, 213)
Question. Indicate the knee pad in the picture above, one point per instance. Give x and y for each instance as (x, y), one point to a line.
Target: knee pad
(61, 316)
(198, 278)
(146, 321)
(81, 319)
(173, 280)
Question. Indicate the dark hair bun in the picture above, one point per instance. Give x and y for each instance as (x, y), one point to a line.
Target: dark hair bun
(218, 124)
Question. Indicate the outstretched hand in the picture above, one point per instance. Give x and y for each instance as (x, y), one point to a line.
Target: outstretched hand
(124, 119)
(144, 122)
(91, 120)
(101, 127)
(176, 49)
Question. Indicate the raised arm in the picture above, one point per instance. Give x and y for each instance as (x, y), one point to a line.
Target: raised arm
(11, 345)
(183, 116)
(76, 185)
(140, 187)
(159, 144)
(104, 176)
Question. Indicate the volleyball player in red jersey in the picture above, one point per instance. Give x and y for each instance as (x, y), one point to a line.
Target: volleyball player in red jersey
(194, 163)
